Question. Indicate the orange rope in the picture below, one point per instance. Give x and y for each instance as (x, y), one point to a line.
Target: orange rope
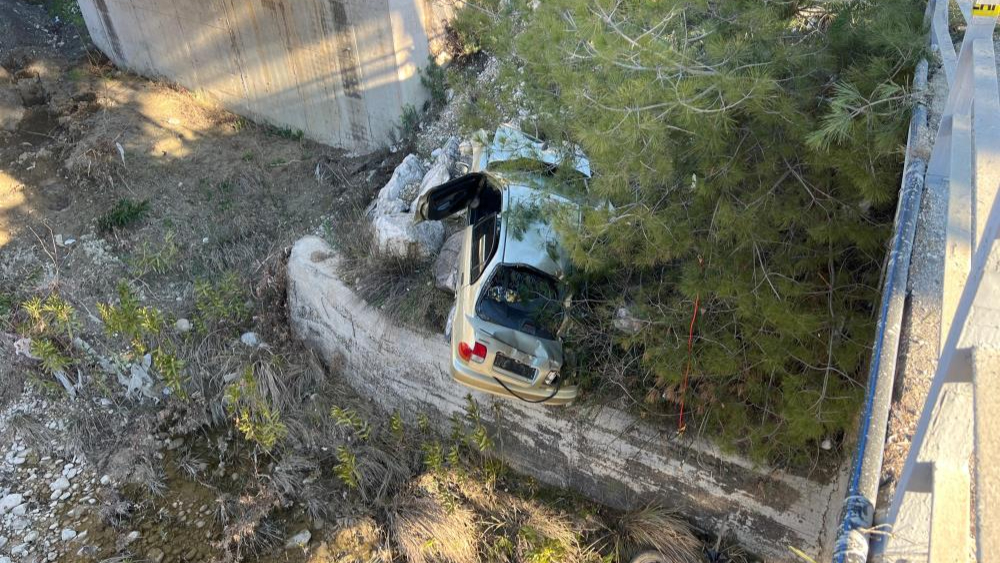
(681, 427)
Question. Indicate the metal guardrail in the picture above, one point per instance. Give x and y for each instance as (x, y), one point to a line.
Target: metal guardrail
(958, 434)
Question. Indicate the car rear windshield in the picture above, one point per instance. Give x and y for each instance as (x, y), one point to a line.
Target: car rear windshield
(523, 299)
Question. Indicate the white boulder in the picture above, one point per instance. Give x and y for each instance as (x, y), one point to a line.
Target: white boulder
(446, 264)
(398, 235)
(410, 171)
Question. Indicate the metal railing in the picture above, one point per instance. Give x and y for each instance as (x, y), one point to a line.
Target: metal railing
(958, 435)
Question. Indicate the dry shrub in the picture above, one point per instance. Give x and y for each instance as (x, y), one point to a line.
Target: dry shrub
(427, 531)
(402, 287)
(381, 473)
(358, 540)
(659, 528)
(248, 530)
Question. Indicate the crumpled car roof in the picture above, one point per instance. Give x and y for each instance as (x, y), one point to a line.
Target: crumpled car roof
(510, 144)
(536, 243)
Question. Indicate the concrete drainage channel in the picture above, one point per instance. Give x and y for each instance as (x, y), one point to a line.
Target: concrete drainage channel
(604, 453)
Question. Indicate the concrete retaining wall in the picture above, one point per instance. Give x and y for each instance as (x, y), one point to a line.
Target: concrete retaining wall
(339, 70)
(604, 453)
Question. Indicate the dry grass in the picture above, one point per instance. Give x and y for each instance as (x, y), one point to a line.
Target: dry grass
(401, 287)
(428, 532)
(659, 528)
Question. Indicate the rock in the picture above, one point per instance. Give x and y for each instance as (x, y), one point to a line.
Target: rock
(175, 443)
(4, 559)
(446, 264)
(3, 541)
(448, 154)
(182, 325)
(20, 510)
(132, 536)
(138, 380)
(410, 171)
(155, 555)
(11, 109)
(10, 501)
(250, 339)
(625, 321)
(299, 540)
(67, 534)
(60, 484)
(437, 175)
(399, 236)
(106, 480)
(826, 444)
(30, 536)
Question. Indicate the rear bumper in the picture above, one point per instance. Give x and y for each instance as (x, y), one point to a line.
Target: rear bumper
(469, 377)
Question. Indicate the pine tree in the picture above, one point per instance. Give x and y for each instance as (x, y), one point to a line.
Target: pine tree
(752, 153)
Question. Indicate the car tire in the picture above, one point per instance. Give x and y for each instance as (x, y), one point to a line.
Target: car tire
(649, 556)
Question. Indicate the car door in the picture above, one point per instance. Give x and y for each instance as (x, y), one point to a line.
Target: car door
(448, 198)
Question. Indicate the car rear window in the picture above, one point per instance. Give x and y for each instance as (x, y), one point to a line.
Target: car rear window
(522, 299)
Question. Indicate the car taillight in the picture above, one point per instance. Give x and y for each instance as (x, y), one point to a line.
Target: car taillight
(474, 353)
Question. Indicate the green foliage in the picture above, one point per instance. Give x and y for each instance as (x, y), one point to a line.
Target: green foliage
(350, 419)
(52, 316)
(752, 154)
(67, 11)
(156, 260)
(396, 426)
(542, 549)
(141, 328)
(125, 213)
(409, 125)
(53, 360)
(487, 25)
(346, 468)
(434, 458)
(171, 368)
(434, 79)
(138, 325)
(286, 133)
(222, 303)
(252, 413)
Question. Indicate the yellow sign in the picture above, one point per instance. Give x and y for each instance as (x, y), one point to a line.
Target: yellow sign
(986, 10)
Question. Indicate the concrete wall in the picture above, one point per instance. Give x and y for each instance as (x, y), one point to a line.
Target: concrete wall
(603, 452)
(339, 70)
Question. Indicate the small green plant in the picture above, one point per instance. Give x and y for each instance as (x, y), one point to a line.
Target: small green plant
(53, 360)
(434, 457)
(396, 425)
(171, 368)
(409, 125)
(433, 78)
(125, 213)
(156, 260)
(138, 325)
(479, 437)
(252, 414)
(542, 549)
(346, 468)
(287, 133)
(247, 156)
(221, 303)
(351, 419)
(423, 423)
(53, 316)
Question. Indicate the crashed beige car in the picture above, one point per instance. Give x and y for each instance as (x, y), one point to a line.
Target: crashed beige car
(510, 297)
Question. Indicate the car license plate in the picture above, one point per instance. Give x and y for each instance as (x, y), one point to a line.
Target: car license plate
(513, 366)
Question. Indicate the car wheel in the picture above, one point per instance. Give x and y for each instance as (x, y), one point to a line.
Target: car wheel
(650, 556)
